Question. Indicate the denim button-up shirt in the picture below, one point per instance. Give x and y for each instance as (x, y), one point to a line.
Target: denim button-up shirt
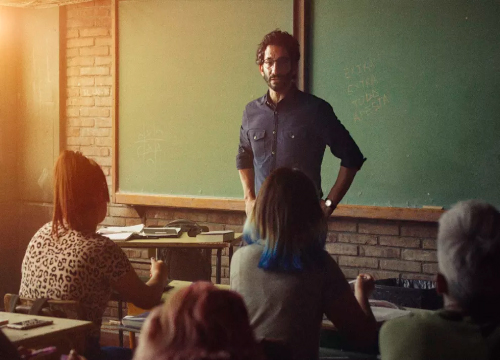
(293, 134)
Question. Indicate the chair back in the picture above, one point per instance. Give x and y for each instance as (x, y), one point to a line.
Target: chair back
(70, 309)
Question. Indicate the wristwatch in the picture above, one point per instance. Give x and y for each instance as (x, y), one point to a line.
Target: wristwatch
(328, 203)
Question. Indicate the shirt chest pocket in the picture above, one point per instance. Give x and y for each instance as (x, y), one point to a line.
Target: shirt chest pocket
(260, 143)
(296, 142)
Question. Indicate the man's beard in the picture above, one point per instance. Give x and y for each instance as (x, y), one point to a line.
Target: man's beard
(285, 81)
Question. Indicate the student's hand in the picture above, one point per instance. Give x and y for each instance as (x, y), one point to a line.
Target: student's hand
(159, 269)
(249, 205)
(364, 286)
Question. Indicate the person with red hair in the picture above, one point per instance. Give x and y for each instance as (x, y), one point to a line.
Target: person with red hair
(67, 260)
(199, 322)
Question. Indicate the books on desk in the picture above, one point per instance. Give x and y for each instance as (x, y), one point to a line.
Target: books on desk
(135, 321)
(216, 236)
(161, 231)
(121, 233)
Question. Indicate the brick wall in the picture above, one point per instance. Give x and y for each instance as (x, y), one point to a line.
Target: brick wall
(89, 81)
(383, 248)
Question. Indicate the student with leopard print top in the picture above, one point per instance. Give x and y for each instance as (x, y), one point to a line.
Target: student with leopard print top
(67, 260)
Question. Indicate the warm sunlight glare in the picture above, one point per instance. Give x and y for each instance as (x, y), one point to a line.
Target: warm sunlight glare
(3, 24)
(6, 22)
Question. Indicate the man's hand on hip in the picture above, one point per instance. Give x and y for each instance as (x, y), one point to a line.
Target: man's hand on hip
(327, 210)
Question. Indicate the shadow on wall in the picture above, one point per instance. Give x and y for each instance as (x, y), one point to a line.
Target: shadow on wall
(20, 222)
(188, 264)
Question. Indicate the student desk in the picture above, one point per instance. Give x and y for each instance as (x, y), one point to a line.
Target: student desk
(186, 242)
(65, 334)
(182, 242)
(329, 336)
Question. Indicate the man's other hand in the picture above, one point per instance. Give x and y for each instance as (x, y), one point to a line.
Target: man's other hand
(249, 205)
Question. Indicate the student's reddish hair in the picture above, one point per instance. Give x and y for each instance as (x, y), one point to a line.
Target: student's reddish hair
(204, 322)
(78, 184)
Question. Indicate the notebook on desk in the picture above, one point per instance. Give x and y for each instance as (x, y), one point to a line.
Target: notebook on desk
(135, 321)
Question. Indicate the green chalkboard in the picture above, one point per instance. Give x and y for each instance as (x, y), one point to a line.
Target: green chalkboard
(186, 71)
(417, 84)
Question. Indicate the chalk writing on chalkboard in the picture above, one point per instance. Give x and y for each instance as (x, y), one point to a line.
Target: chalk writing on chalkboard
(363, 90)
(149, 145)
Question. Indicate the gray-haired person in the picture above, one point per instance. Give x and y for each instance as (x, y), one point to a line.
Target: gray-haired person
(468, 248)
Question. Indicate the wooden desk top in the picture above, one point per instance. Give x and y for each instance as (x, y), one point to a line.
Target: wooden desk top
(44, 333)
(167, 295)
(184, 241)
(381, 315)
(180, 284)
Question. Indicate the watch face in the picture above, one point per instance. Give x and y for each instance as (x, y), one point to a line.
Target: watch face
(328, 202)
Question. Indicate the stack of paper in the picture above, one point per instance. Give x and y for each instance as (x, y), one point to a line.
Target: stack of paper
(384, 313)
(120, 232)
(383, 303)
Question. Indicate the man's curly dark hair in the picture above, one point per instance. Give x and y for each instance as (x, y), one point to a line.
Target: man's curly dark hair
(279, 38)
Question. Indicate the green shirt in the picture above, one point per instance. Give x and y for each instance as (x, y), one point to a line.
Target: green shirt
(443, 335)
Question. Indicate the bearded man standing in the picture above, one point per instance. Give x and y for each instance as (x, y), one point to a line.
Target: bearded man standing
(289, 128)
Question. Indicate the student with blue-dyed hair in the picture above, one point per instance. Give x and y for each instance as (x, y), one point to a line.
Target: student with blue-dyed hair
(288, 280)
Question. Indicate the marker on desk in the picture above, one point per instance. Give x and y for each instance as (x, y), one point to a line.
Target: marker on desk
(44, 351)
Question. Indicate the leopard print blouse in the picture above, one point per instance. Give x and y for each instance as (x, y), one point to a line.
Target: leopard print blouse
(73, 266)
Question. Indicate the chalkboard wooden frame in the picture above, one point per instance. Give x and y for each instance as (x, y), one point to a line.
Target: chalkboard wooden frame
(301, 28)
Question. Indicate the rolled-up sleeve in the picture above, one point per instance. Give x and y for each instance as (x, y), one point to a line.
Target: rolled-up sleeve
(338, 138)
(244, 158)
